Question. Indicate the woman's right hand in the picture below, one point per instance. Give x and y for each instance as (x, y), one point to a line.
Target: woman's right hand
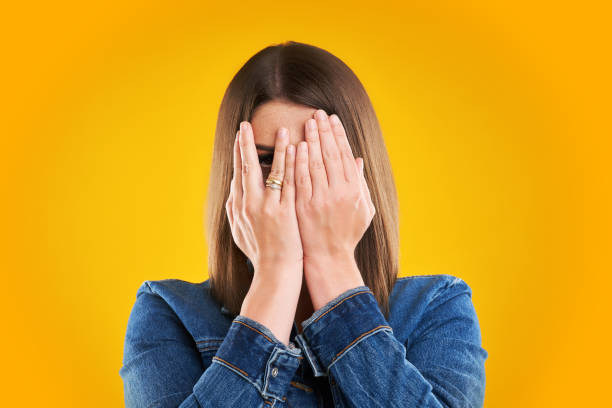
(263, 220)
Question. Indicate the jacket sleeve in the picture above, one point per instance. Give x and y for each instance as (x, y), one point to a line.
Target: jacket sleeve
(350, 341)
(162, 366)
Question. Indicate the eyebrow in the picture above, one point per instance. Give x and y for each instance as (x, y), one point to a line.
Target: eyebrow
(264, 147)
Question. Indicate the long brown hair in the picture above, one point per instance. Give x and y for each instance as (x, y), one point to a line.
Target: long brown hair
(310, 76)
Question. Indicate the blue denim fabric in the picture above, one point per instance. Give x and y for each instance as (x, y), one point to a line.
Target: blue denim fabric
(182, 349)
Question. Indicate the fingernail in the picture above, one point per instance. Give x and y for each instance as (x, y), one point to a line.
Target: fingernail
(290, 149)
(335, 119)
(321, 114)
(282, 133)
(302, 146)
(243, 126)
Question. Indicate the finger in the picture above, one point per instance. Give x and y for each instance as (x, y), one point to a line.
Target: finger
(228, 207)
(358, 163)
(237, 178)
(346, 153)
(278, 163)
(329, 149)
(318, 175)
(252, 179)
(303, 184)
(366, 191)
(288, 192)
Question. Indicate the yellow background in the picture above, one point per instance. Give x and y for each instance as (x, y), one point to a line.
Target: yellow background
(496, 116)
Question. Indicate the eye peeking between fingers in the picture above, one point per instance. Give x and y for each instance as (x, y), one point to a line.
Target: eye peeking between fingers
(266, 159)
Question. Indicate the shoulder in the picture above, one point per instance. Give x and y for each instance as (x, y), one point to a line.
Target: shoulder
(426, 288)
(170, 301)
(175, 291)
(434, 318)
(418, 298)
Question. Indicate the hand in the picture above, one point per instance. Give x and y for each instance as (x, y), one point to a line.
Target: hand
(263, 220)
(334, 208)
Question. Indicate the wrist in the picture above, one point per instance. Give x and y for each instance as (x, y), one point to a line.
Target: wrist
(276, 261)
(323, 263)
(273, 305)
(327, 277)
(278, 274)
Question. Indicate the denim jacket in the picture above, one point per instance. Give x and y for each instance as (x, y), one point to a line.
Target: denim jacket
(182, 349)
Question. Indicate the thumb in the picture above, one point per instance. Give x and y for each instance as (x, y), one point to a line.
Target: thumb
(359, 161)
(362, 183)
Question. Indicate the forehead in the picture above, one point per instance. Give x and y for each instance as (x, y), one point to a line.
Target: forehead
(272, 115)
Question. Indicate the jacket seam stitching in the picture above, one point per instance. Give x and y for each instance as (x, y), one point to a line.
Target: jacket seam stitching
(301, 386)
(209, 348)
(231, 365)
(360, 337)
(210, 341)
(255, 330)
(339, 303)
(238, 371)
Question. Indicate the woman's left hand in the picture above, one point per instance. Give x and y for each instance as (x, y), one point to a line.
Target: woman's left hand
(333, 206)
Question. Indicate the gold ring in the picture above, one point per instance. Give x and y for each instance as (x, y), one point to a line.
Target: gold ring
(273, 186)
(272, 180)
(274, 183)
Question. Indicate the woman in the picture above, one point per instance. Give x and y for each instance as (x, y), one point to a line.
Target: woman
(303, 307)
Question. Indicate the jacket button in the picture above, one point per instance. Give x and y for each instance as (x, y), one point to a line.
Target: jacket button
(274, 372)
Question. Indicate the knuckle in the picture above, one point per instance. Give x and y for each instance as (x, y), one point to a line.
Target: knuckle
(332, 154)
(249, 210)
(244, 144)
(346, 152)
(279, 149)
(317, 164)
(269, 211)
(338, 199)
(303, 179)
(238, 219)
(244, 137)
(302, 153)
(351, 195)
(276, 173)
(316, 204)
(312, 135)
(340, 133)
(242, 215)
